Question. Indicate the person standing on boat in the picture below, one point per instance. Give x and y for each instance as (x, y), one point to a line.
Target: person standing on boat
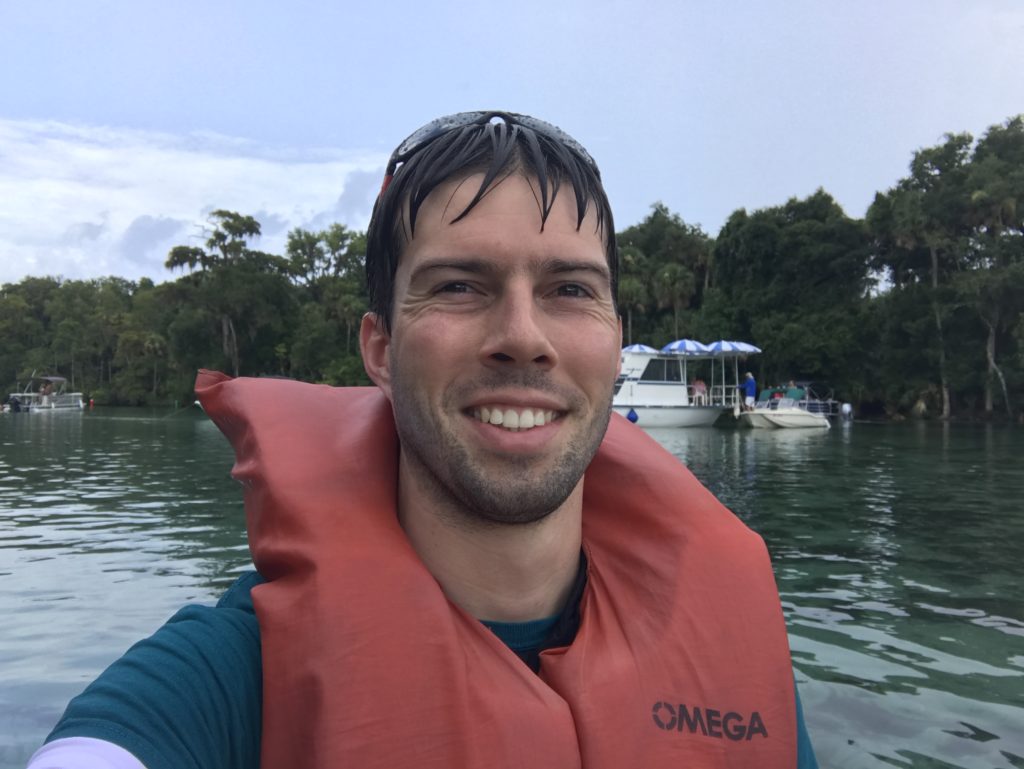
(454, 567)
(749, 388)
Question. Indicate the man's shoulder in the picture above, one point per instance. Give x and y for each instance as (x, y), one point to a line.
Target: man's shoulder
(199, 675)
(239, 594)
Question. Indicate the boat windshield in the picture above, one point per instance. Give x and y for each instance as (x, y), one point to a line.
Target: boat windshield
(662, 370)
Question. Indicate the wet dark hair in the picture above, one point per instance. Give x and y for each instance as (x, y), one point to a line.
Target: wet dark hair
(497, 150)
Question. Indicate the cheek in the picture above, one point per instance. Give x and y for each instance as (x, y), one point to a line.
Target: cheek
(596, 360)
(431, 334)
(424, 354)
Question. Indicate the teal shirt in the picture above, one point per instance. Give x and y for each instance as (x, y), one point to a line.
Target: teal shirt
(190, 696)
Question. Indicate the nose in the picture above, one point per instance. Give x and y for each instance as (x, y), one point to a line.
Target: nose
(517, 332)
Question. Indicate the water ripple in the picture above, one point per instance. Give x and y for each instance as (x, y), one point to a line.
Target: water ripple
(899, 587)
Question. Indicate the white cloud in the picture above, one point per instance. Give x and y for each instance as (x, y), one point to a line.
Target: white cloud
(87, 201)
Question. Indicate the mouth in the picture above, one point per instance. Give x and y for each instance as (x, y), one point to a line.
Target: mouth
(514, 419)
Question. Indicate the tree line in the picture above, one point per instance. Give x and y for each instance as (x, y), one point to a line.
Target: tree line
(914, 309)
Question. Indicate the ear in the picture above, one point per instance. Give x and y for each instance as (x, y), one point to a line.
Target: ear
(375, 344)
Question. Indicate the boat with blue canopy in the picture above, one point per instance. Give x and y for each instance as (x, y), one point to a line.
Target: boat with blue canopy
(684, 384)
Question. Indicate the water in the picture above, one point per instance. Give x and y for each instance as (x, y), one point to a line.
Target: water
(897, 551)
(109, 521)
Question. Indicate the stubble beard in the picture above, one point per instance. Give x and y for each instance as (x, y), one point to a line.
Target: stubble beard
(506, 491)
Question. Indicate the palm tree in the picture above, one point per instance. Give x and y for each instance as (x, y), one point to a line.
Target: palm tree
(673, 287)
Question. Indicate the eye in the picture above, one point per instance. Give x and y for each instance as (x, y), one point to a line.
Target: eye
(455, 287)
(572, 290)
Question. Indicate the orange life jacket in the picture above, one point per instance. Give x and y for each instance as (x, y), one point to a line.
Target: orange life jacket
(681, 658)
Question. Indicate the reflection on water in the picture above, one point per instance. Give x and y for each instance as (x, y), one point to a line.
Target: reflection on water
(108, 523)
(897, 552)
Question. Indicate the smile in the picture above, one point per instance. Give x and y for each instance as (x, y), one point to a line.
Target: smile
(514, 419)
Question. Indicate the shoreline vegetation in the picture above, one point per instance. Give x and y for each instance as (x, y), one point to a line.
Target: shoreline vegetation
(914, 311)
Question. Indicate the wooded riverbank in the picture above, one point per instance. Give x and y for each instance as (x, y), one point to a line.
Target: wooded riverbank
(914, 310)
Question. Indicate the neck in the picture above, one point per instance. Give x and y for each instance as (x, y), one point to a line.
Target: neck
(497, 572)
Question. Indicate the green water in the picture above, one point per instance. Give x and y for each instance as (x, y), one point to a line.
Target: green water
(897, 550)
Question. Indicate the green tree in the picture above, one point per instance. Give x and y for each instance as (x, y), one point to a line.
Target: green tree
(634, 293)
(920, 227)
(994, 287)
(792, 279)
(141, 357)
(242, 288)
(664, 263)
(329, 269)
(20, 332)
(674, 285)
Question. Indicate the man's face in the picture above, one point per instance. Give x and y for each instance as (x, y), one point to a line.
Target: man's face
(503, 351)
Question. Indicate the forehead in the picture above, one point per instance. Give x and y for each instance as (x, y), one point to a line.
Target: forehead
(510, 211)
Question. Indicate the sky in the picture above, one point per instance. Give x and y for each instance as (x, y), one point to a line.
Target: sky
(124, 124)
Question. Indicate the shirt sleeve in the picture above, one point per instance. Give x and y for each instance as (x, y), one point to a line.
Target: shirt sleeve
(188, 697)
(82, 753)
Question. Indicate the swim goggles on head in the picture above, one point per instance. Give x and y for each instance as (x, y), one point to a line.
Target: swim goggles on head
(423, 136)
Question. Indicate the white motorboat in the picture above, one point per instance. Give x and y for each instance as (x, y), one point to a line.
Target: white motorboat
(755, 418)
(783, 413)
(654, 389)
(45, 394)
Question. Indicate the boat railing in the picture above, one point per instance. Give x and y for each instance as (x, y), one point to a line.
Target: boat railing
(651, 372)
(44, 402)
(67, 401)
(724, 395)
(829, 408)
(770, 400)
(28, 400)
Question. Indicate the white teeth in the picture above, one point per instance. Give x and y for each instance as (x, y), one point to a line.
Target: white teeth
(511, 419)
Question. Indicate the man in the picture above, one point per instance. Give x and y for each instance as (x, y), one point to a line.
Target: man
(749, 391)
(451, 572)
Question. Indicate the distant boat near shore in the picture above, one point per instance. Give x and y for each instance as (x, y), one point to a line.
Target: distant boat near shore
(44, 394)
(690, 384)
(792, 407)
(684, 384)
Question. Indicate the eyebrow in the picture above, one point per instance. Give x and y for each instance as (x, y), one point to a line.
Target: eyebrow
(569, 265)
(486, 266)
